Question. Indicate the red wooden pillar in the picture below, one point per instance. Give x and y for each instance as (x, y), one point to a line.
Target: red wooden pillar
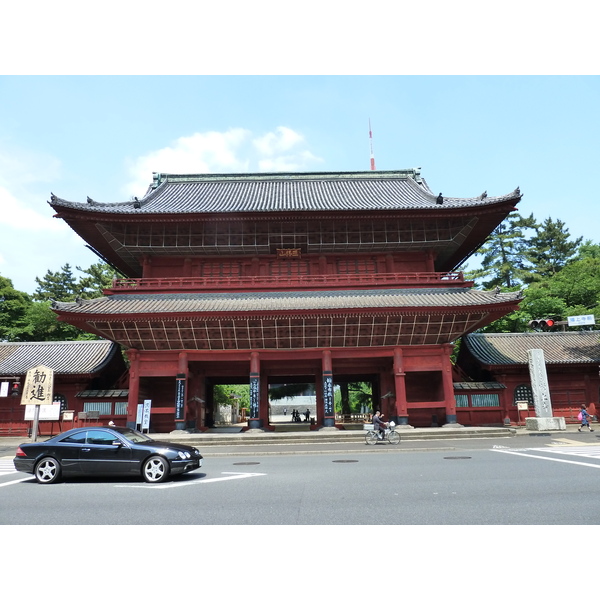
(505, 404)
(196, 408)
(322, 265)
(400, 388)
(387, 396)
(134, 387)
(254, 421)
(448, 385)
(389, 263)
(263, 406)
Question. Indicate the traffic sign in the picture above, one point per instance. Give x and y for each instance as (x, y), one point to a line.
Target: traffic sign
(581, 320)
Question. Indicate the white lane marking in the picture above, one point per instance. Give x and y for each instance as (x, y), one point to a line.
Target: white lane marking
(572, 462)
(230, 476)
(16, 481)
(593, 452)
(7, 466)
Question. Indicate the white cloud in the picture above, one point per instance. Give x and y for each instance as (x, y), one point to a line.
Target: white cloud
(208, 152)
(19, 168)
(20, 172)
(283, 140)
(32, 241)
(20, 217)
(232, 151)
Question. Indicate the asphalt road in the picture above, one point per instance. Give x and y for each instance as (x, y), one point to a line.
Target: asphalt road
(534, 479)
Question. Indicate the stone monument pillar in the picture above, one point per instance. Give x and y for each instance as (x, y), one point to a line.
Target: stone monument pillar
(543, 420)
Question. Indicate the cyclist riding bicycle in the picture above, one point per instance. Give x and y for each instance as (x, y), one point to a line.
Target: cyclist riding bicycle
(379, 425)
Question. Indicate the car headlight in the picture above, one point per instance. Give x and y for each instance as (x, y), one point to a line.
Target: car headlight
(184, 455)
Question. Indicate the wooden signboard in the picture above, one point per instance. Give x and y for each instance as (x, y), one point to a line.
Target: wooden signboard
(39, 385)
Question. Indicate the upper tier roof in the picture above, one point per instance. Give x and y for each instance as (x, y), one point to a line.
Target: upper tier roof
(200, 215)
(273, 192)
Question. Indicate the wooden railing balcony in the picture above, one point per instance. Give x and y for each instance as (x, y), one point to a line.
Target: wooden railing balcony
(287, 282)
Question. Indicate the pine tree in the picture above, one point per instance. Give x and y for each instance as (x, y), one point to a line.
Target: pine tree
(549, 250)
(99, 277)
(503, 253)
(58, 285)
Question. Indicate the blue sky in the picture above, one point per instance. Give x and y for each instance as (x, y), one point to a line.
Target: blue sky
(77, 135)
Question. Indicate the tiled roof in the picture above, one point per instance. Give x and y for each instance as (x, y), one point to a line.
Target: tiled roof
(272, 192)
(66, 358)
(102, 394)
(284, 301)
(478, 385)
(511, 348)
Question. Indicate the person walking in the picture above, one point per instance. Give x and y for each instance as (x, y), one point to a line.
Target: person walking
(585, 415)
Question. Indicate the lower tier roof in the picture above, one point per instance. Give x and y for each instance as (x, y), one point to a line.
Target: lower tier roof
(219, 303)
(292, 321)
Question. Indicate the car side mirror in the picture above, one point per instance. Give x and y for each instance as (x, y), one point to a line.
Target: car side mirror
(117, 443)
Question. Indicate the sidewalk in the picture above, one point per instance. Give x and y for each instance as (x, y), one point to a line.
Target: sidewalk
(233, 436)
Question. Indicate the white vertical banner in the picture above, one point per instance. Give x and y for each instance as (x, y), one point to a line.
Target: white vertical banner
(146, 415)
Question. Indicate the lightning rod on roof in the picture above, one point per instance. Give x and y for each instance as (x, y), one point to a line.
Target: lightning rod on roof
(371, 142)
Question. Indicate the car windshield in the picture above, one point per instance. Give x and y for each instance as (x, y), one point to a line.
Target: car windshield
(134, 436)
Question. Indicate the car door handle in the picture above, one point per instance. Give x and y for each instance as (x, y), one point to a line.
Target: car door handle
(85, 449)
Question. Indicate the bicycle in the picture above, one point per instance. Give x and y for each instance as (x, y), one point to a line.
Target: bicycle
(392, 436)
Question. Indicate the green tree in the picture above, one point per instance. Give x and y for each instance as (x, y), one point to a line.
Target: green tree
(589, 250)
(351, 397)
(230, 394)
(549, 250)
(575, 290)
(515, 322)
(25, 318)
(43, 326)
(14, 307)
(98, 277)
(57, 285)
(503, 262)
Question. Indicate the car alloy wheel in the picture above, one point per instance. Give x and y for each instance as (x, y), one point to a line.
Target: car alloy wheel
(155, 469)
(47, 470)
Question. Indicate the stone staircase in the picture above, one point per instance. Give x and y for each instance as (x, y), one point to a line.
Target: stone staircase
(301, 435)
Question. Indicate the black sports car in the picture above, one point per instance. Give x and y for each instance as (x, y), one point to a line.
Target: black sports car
(105, 451)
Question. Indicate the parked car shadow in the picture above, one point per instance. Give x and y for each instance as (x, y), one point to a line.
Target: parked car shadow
(87, 479)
